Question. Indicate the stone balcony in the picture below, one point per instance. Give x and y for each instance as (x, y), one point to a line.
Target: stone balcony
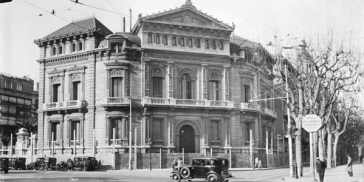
(152, 101)
(115, 101)
(65, 105)
(269, 112)
(250, 107)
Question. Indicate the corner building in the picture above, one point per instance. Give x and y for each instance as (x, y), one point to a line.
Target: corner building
(189, 87)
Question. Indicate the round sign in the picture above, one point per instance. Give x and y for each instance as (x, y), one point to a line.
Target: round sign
(311, 123)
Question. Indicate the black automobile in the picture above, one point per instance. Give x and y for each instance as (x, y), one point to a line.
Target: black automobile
(85, 163)
(45, 163)
(209, 168)
(17, 163)
(4, 164)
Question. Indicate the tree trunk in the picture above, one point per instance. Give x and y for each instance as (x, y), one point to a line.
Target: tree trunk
(329, 149)
(321, 145)
(336, 141)
(299, 151)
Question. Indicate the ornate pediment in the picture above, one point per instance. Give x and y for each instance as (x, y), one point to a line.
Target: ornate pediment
(190, 18)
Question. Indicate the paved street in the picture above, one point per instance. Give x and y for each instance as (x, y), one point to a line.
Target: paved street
(162, 175)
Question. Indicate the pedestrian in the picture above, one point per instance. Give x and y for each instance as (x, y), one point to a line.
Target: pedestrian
(179, 162)
(174, 164)
(256, 162)
(361, 158)
(349, 166)
(320, 168)
(260, 164)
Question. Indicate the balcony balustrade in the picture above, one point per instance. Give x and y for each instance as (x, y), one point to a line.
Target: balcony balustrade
(270, 113)
(65, 105)
(250, 107)
(115, 101)
(78, 142)
(187, 102)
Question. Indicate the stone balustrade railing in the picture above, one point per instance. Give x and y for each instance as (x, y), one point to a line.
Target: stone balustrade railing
(187, 102)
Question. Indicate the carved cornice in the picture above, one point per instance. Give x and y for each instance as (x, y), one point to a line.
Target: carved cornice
(117, 63)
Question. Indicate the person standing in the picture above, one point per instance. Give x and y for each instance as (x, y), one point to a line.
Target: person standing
(349, 166)
(320, 168)
(256, 162)
(361, 158)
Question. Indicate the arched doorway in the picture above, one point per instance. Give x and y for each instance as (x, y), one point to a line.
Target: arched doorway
(187, 139)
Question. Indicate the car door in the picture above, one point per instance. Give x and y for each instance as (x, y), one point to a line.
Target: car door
(198, 167)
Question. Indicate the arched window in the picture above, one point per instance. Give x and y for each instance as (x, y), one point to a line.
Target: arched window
(182, 43)
(213, 44)
(190, 42)
(54, 50)
(150, 38)
(198, 43)
(165, 40)
(221, 45)
(174, 41)
(246, 90)
(207, 44)
(214, 85)
(80, 48)
(157, 39)
(60, 51)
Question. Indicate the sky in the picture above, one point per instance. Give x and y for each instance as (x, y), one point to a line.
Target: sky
(23, 21)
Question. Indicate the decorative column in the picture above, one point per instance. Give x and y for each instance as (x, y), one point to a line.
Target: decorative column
(226, 85)
(204, 81)
(169, 79)
(205, 132)
(170, 120)
(146, 77)
(127, 83)
(61, 134)
(227, 133)
(144, 130)
(107, 121)
(50, 92)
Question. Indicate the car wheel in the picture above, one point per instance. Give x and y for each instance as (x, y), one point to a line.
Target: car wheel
(185, 172)
(212, 178)
(176, 177)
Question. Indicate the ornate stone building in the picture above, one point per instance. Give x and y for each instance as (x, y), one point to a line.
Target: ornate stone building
(189, 85)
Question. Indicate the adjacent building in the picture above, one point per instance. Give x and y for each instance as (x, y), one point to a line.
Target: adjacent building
(18, 105)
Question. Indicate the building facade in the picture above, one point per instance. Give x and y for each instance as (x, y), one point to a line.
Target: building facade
(18, 105)
(178, 79)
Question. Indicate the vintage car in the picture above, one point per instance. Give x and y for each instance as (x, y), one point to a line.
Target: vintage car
(4, 164)
(85, 163)
(17, 163)
(46, 163)
(210, 168)
(62, 166)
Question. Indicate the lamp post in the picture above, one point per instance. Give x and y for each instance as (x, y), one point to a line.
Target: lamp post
(150, 153)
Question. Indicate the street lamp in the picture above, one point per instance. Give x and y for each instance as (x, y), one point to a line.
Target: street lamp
(150, 153)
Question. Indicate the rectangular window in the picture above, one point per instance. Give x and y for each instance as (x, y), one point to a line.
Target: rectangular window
(117, 87)
(19, 86)
(27, 102)
(56, 130)
(158, 87)
(157, 131)
(21, 113)
(247, 93)
(269, 137)
(8, 84)
(75, 130)
(248, 127)
(20, 101)
(4, 98)
(12, 100)
(120, 128)
(264, 134)
(12, 110)
(4, 109)
(56, 92)
(76, 90)
(215, 132)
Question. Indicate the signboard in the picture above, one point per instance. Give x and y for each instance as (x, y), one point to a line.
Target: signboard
(311, 123)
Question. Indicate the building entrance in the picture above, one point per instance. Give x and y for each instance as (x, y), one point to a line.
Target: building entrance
(187, 139)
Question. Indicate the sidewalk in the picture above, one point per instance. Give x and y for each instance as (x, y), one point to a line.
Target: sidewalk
(337, 174)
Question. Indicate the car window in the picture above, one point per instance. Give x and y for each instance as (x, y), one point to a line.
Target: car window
(197, 162)
(77, 159)
(210, 162)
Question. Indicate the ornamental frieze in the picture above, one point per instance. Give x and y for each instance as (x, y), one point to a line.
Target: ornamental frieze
(66, 61)
(182, 56)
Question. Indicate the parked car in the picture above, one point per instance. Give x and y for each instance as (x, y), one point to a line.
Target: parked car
(4, 164)
(210, 168)
(62, 166)
(85, 163)
(17, 163)
(45, 163)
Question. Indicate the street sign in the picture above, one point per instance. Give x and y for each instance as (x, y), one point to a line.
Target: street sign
(311, 123)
